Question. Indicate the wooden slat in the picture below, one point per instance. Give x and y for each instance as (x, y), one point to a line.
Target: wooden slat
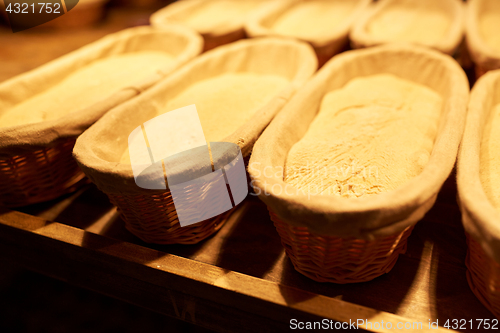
(428, 282)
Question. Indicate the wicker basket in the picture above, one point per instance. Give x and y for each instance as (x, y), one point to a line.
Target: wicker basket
(480, 218)
(336, 259)
(55, 169)
(325, 44)
(485, 58)
(221, 32)
(150, 214)
(449, 44)
(153, 219)
(334, 239)
(35, 159)
(483, 275)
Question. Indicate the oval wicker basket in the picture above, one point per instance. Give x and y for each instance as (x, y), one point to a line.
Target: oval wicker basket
(450, 42)
(150, 214)
(326, 44)
(219, 33)
(480, 218)
(485, 58)
(336, 259)
(35, 159)
(329, 238)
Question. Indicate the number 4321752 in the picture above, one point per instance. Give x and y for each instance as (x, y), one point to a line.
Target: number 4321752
(41, 7)
(472, 324)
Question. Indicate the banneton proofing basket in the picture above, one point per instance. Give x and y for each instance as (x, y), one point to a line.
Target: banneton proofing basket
(450, 42)
(150, 214)
(35, 159)
(326, 44)
(480, 218)
(223, 32)
(485, 58)
(333, 239)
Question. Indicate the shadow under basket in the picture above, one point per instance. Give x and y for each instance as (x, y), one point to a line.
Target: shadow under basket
(339, 260)
(483, 276)
(153, 218)
(39, 175)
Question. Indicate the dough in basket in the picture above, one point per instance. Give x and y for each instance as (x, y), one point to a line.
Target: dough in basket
(307, 19)
(371, 136)
(414, 21)
(225, 102)
(214, 14)
(87, 86)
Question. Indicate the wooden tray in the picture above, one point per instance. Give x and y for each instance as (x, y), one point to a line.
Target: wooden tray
(239, 279)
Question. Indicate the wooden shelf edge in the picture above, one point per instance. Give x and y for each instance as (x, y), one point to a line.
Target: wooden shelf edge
(32, 240)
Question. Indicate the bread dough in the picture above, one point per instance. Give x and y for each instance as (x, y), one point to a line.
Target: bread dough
(218, 13)
(225, 102)
(371, 136)
(489, 25)
(414, 21)
(490, 157)
(308, 19)
(87, 86)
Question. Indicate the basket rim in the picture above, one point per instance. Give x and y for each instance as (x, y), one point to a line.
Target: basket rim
(26, 137)
(387, 212)
(448, 44)
(255, 27)
(480, 218)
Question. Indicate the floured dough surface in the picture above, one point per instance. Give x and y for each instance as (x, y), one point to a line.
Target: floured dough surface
(489, 25)
(490, 157)
(218, 13)
(371, 136)
(225, 102)
(86, 86)
(308, 19)
(414, 21)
